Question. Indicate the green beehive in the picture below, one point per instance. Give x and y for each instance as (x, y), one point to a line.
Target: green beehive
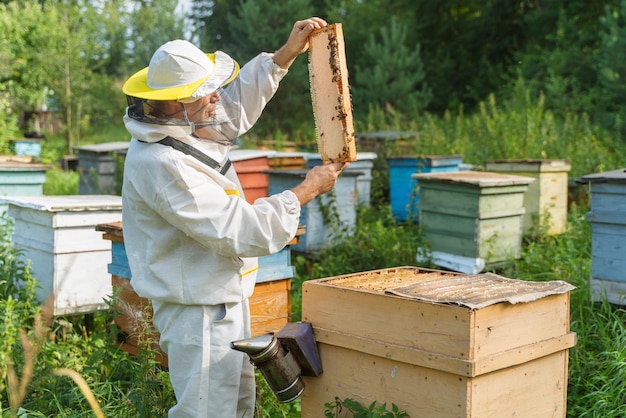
(472, 218)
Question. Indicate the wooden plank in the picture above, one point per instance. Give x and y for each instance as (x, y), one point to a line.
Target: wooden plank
(505, 326)
(524, 354)
(443, 329)
(270, 306)
(330, 94)
(420, 391)
(395, 352)
(431, 360)
(534, 389)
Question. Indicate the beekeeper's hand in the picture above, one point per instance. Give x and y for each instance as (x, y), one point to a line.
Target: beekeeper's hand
(319, 180)
(298, 41)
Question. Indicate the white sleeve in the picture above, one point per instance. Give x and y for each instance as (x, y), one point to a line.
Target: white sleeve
(255, 85)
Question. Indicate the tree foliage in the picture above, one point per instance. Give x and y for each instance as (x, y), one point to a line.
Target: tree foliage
(394, 73)
(436, 56)
(66, 56)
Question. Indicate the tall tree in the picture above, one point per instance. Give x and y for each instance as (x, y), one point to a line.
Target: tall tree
(71, 64)
(394, 74)
(612, 68)
(152, 23)
(23, 38)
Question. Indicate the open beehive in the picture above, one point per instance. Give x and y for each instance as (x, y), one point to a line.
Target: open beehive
(330, 95)
(440, 344)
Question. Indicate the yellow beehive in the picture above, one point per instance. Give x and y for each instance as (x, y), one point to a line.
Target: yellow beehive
(545, 199)
(440, 344)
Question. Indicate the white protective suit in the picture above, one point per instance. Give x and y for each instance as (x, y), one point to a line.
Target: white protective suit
(192, 242)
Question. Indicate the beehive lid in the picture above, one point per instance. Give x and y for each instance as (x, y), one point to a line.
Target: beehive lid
(387, 135)
(614, 176)
(104, 147)
(113, 228)
(360, 156)
(249, 154)
(66, 203)
(529, 164)
(10, 165)
(434, 286)
(476, 178)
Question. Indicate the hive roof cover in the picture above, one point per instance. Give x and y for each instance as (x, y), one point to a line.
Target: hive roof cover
(479, 291)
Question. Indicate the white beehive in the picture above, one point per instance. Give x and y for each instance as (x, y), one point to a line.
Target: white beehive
(68, 256)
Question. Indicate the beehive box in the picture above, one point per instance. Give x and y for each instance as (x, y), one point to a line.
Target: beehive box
(314, 216)
(68, 256)
(97, 167)
(251, 167)
(452, 345)
(545, 199)
(288, 160)
(608, 234)
(403, 188)
(387, 143)
(362, 166)
(471, 218)
(27, 147)
(19, 178)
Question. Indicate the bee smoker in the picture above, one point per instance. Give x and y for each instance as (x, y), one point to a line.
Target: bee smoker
(283, 357)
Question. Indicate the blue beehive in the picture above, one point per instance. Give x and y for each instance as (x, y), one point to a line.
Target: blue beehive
(272, 267)
(608, 234)
(342, 201)
(403, 190)
(30, 147)
(363, 166)
(21, 179)
(97, 167)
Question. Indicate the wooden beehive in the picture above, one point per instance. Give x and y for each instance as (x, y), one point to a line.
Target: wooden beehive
(282, 160)
(318, 216)
(67, 255)
(330, 94)
(363, 166)
(545, 199)
(608, 233)
(471, 218)
(19, 177)
(440, 344)
(403, 187)
(97, 167)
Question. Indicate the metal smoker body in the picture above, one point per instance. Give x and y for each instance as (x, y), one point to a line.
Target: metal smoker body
(283, 357)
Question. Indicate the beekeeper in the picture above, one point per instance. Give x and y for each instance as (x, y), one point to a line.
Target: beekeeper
(190, 236)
